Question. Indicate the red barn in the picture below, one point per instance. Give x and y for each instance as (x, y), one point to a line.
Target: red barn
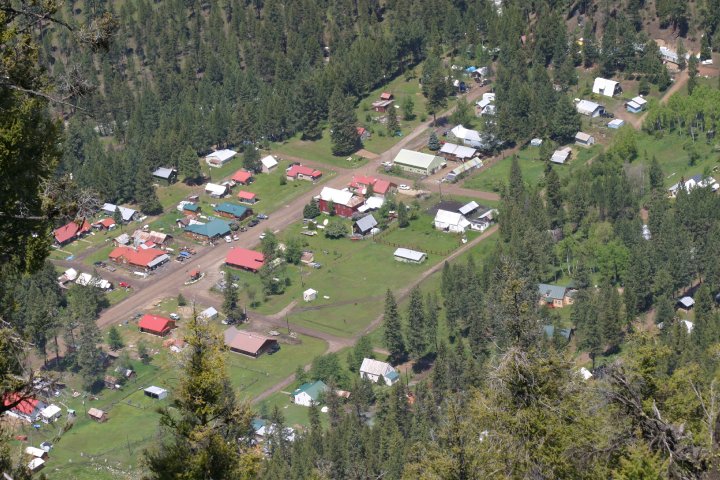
(246, 259)
(345, 202)
(71, 231)
(156, 325)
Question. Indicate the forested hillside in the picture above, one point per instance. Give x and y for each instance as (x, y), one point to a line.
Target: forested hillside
(497, 389)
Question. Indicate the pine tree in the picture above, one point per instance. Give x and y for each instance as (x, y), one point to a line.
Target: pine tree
(681, 54)
(181, 300)
(393, 126)
(343, 125)
(115, 339)
(433, 142)
(657, 177)
(145, 194)
(189, 166)
(310, 111)
(230, 306)
(251, 159)
(206, 432)
(393, 330)
(89, 356)
(565, 120)
(416, 334)
(553, 194)
(431, 319)
(117, 217)
(692, 74)
(434, 86)
(403, 220)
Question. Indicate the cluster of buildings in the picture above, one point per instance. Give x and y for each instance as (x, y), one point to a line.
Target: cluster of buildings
(455, 217)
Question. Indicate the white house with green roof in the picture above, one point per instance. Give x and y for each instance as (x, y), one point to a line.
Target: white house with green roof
(374, 370)
(309, 393)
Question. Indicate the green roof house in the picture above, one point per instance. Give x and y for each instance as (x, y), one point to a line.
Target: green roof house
(208, 231)
(309, 393)
(231, 210)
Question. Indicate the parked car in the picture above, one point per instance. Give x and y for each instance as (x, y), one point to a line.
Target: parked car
(236, 238)
(262, 216)
(124, 285)
(99, 264)
(175, 316)
(402, 186)
(228, 238)
(253, 222)
(262, 236)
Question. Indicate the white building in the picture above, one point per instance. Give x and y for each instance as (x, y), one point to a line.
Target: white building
(209, 313)
(85, 279)
(693, 182)
(608, 88)
(156, 392)
(309, 295)
(309, 393)
(215, 190)
(590, 109)
(418, 162)
(219, 158)
(374, 369)
(470, 138)
(450, 221)
(561, 156)
(50, 413)
(409, 256)
(127, 214)
(269, 163)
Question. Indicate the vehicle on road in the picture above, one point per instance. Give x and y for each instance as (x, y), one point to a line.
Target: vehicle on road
(253, 222)
(124, 285)
(402, 186)
(228, 239)
(262, 236)
(262, 216)
(175, 316)
(236, 238)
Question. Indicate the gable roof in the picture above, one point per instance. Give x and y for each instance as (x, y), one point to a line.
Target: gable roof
(551, 292)
(465, 133)
(361, 182)
(215, 189)
(149, 237)
(561, 155)
(143, 257)
(586, 107)
(451, 218)
(125, 213)
(416, 159)
(296, 170)
(245, 341)
(234, 210)
(26, 406)
(222, 155)
(191, 207)
(244, 258)
(469, 207)
(163, 172)
(459, 151)
(582, 136)
(313, 390)
(386, 96)
(212, 229)
(366, 223)
(245, 195)
(604, 86)
(241, 176)
(155, 323)
(105, 222)
(640, 101)
(375, 367)
(269, 161)
(339, 197)
(71, 230)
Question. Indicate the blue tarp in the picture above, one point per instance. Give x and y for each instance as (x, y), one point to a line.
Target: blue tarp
(470, 69)
(184, 254)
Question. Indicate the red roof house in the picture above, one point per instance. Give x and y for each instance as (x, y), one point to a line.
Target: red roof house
(156, 325)
(106, 223)
(386, 96)
(246, 259)
(147, 258)
(69, 232)
(242, 177)
(303, 173)
(27, 409)
(360, 184)
(246, 197)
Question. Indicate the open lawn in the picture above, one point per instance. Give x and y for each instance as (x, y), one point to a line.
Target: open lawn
(80, 245)
(295, 415)
(99, 255)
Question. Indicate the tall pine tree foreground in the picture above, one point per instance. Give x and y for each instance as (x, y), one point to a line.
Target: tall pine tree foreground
(206, 433)
(394, 340)
(343, 125)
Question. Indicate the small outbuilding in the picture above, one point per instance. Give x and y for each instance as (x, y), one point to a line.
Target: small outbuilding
(608, 88)
(584, 139)
(590, 109)
(156, 325)
(167, 175)
(409, 256)
(156, 392)
(242, 177)
(561, 156)
(50, 413)
(209, 313)
(616, 123)
(269, 163)
(636, 105)
(309, 295)
(686, 303)
(215, 190)
(365, 225)
(97, 414)
(247, 197)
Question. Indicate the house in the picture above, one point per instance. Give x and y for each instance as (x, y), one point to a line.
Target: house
(636, 105)
(145, 258)
(694, 182)
(230, 210)
(71, 231)
(686, 303)
(127, 214)
(36, 464)
(616, 123)
(97, 414)
(168, 175)
(156, 325)
(68, 276)
(417, 162)
(409, 256)
(590, 109)
(382, 106)
(372, 203)
(242, 177)
(269, 163)
(27, 409)
(363, 133)
(300, 172)
(50, 413)
(374, 369)
(450, 222)
(462, 169)
(584, 139)
(387, 96)
(152, 237)
(106, 223)
(219, 158)
(245, 259)
(309, 393)
(209, 313)
(361, 185)
(309, 295)
(345, 202)
(85, 279)
(111, 382)
(458, 153)
(608, 88)
(671, 56)
(247, 197)
(155, 392)
(248, 343)
(555, 295)
(468, 137)
(561, 155)
(191, 209)
(207, 231)
(307, 258)
(122, 239)
(36, 452)
(365, 225)
(215, 190)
